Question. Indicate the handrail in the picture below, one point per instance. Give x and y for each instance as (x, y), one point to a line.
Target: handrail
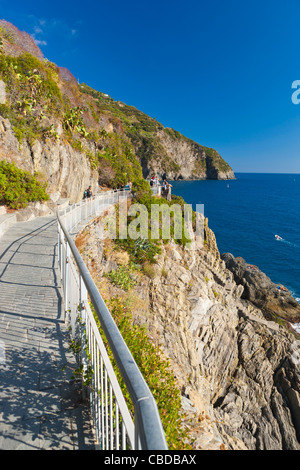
(149, 432)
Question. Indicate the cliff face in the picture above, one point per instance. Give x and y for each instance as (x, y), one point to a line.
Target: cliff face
(78, 136)
(274, 300)
(238, 371)
(191, 160)
(67, 171)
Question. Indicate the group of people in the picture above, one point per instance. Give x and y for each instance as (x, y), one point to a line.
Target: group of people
(88, 193)
(166, 185)
(127, 186)
(155, 182)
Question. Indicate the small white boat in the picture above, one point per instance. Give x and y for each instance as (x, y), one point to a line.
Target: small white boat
(278, 237)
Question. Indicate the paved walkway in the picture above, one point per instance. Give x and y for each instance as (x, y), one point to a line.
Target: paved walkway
(40, 407)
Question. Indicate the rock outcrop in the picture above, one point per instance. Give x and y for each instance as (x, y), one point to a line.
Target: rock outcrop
(67, 171)
(275, 300)
(15, 42)
(238, 371)
(190, 160)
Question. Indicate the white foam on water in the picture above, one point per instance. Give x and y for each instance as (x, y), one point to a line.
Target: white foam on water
(2, 353)
(296, 327)
(282, 240)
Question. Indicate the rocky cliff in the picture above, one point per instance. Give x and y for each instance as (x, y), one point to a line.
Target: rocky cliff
(75, 136)
(188, 160)
(238, 370)
(54, 162)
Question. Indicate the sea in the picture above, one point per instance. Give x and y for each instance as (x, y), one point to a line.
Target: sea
(246, 214)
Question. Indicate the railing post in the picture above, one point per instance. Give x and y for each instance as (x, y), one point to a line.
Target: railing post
(67, 275)
(84, 359)
(137, 441)
(58, 246)
(59, 249)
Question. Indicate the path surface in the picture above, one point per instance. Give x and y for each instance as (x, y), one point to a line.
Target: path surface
(40, 407)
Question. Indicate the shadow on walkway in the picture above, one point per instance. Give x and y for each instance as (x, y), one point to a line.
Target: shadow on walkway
(40, 406)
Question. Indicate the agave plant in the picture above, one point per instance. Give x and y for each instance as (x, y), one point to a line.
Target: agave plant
(103, 133)
(50, 132)
(35, 81)
(27, 105)
(73, 121)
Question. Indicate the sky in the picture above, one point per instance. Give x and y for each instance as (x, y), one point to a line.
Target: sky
(220, 72)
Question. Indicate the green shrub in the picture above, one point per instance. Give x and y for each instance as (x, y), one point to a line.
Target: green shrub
(28, 76)
(149, 270)
(73, 121)
(140, 251)
(157, 373)
(122, 277)
(164, 273)
(144, 250)
(147, 200)
(19, 187)
(120, 163)
(4, 33)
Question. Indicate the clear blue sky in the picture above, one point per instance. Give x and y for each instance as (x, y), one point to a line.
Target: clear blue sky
(219, 71)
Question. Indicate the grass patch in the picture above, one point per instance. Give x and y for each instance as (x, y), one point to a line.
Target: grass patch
(122, 277)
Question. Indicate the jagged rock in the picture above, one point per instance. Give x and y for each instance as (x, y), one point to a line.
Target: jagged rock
(53, 161)
(239, 372)
(2, 92)
(190, 160)
(261, 291)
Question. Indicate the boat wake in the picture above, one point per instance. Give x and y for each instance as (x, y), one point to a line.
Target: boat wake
(290, 243)
(278, 238)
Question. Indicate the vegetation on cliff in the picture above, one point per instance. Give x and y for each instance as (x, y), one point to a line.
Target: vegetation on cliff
(156, 370)
(118, 288)
(44, 102)
(18, 187)
(40, 106)
(33, 95)
(147, 246)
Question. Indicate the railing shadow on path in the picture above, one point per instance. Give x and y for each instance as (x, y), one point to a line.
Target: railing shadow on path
(115, 425)
(40, 406)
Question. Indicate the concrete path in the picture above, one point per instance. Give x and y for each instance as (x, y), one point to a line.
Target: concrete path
(40, 407)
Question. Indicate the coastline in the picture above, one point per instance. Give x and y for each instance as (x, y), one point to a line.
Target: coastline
(234, 367)
(244, 218)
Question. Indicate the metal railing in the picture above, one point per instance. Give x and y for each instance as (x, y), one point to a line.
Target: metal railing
(114, 426)
(158, 190)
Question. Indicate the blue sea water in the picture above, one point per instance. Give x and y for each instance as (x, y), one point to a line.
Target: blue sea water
(246, 213)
